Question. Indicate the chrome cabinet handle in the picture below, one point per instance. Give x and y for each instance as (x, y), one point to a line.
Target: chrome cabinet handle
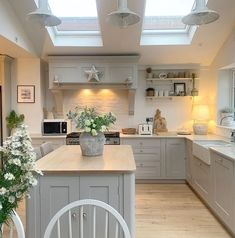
(74, 216)
(84, 215)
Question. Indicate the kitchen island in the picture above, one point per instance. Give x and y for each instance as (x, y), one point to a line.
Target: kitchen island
(69, 176)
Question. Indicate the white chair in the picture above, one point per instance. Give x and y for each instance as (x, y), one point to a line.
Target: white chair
(17, 224)
(46, 148)
(119, 221)
(38, 152)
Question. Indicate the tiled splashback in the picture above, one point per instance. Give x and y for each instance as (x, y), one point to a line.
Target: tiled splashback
(104, 100)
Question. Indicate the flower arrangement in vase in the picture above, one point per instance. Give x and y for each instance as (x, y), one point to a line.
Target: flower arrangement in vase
(17, 172)
(93, 126)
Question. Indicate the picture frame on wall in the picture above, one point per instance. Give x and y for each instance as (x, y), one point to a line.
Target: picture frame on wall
(26, 94)
(179, 89)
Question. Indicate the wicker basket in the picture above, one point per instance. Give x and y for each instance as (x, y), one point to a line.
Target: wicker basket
(129, 131)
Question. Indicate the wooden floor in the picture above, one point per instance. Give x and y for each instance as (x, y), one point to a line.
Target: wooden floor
(173, 211)
(170, 211)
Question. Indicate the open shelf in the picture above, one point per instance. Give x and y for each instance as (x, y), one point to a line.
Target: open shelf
(166, 97)
(168, 79)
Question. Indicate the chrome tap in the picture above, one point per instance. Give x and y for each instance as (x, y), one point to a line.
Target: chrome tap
(232, 136)
(224, 118)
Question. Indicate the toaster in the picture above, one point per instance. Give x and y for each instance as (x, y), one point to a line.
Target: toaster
(145, 129)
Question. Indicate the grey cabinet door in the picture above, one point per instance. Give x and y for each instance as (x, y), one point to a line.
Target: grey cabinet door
(189, 162)
(56, 192)
(223, 189)
(201, 178)
(175, 158)
(104, 188)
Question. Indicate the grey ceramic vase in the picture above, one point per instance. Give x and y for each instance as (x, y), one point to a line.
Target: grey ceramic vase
(92, 145)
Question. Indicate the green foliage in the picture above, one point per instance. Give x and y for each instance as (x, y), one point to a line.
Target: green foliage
(90, 121)
(227, 110)
(14, 120)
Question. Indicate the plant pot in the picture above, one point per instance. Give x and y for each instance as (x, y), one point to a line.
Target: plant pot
(227, 119)
(92, 145)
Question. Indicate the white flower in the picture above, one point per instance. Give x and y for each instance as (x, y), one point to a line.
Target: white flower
(87, 122)
(11, 199)
(3, 191)
(103, 128)
(9, 176)
(94, 125)
(0, 206)
(87, 129)
(94, 132)
(33, 181)
(19, 194)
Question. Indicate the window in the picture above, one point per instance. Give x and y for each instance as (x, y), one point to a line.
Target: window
(79, 20)
(163, 22)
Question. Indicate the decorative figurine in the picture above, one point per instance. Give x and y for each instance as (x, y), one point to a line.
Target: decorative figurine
(159, 124)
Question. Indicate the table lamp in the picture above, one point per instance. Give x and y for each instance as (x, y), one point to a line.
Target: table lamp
(201, 116)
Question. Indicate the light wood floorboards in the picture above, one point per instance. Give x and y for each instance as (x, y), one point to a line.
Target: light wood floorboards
(173, 211)
(170, 211)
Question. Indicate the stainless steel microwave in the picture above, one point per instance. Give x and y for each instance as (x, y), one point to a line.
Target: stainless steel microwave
(54, 127)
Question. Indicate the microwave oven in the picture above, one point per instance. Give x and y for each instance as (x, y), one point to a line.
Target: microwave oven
(54, 127)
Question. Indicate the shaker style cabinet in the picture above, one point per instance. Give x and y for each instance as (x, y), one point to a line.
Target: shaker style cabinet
(189, 161)
(201, 178)
(223, 189)
(148, 159)
(175, 158)
(158, 158)
(56, 191)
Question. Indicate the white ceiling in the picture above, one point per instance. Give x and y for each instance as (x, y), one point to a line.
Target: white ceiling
(207, 40)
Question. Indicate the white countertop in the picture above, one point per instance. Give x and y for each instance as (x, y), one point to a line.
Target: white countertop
(227, 151)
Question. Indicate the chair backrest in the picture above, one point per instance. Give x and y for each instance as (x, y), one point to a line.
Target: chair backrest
(38, 152)
(46, 148)
(15, 224)
(119, 221)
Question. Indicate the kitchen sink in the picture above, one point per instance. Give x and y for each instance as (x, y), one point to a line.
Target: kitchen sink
(201, 148)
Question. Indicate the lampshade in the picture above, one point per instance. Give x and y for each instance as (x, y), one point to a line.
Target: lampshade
(200, 15)
(43, 15)
(123, 17)
(201, 113)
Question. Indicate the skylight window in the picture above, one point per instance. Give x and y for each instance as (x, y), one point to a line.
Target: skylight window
(166, 14)
(80, 23)
(162, 24)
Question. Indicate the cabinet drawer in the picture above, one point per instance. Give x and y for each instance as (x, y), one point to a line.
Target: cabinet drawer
(148, 170)
(147, 157)
(146, 150)
(142, 142)
(224, 162)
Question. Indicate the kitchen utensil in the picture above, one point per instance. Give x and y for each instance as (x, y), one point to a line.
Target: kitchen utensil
(145, 129)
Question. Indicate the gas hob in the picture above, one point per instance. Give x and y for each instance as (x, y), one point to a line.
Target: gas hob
(111, 138)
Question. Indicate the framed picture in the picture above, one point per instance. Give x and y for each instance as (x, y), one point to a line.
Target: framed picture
(179, 89)
(26, 94)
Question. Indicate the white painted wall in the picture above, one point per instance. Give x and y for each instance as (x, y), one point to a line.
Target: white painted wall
(27, 72)
(12, 29)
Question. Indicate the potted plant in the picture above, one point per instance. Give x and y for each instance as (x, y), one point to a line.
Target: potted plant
(93, 126)
(14, 120)
(227, 116)
(149, 72)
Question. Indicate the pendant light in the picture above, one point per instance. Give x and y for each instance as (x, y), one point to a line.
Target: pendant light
(200, 15)
(43, 15)
(123, 17)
